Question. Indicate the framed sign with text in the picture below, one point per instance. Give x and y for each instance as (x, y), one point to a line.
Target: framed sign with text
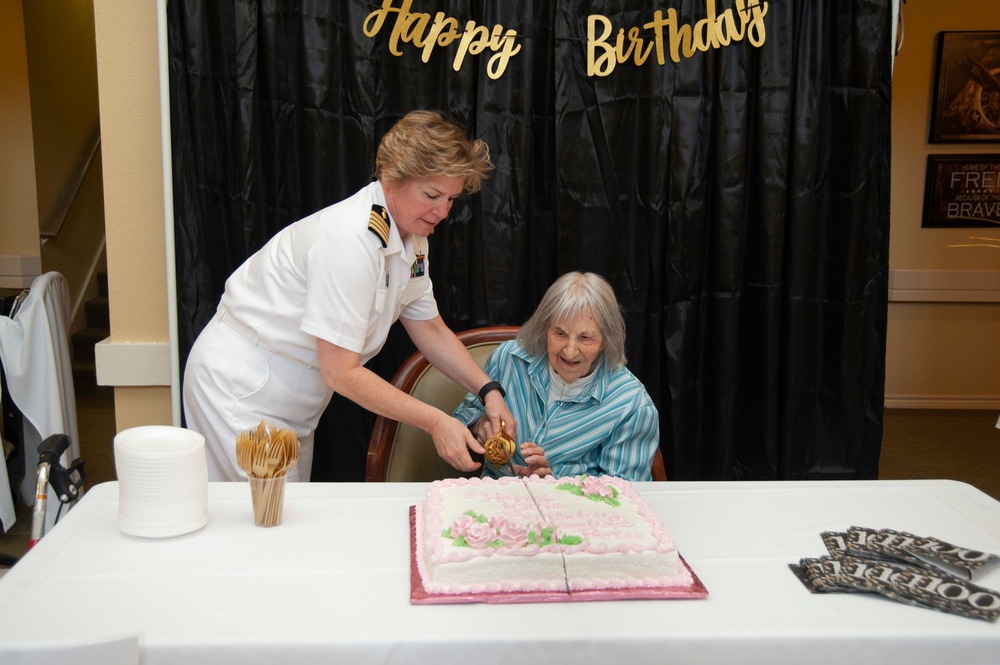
(966, 88)
(962, 191)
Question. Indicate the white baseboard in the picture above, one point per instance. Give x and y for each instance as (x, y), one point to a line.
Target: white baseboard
(944, 286)
(978, 402)
(132, 363)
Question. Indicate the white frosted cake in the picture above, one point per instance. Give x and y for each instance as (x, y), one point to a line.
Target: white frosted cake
(542, 534)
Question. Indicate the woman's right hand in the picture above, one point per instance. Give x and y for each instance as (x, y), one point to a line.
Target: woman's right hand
(482, 429)
(453, 441)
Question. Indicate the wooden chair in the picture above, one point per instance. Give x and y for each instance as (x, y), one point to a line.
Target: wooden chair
(659, 470)
(415, 459)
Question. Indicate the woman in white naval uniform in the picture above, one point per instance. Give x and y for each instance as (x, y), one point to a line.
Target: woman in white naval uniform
(300, 318)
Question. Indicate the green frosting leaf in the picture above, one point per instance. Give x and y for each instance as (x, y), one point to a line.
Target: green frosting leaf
(571, 488)
(570, 540)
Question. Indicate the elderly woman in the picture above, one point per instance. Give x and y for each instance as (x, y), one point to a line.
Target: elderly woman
(300, 318)
(579, 409)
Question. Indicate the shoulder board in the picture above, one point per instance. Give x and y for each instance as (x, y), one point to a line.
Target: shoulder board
(378, 223)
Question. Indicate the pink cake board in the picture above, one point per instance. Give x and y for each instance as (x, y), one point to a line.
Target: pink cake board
(420, 596)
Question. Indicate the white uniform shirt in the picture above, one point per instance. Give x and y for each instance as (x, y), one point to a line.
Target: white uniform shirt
(328, 276)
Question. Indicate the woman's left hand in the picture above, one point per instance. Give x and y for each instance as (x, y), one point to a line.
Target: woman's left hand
(534, 458)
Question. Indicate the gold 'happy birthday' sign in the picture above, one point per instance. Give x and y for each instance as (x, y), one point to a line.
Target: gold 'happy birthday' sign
(716, 30)
(417, 28)
(745, 20)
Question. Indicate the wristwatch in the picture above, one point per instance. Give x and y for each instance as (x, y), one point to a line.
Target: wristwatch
(492, 385)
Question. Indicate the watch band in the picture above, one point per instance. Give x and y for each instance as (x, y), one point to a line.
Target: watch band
(492, 385)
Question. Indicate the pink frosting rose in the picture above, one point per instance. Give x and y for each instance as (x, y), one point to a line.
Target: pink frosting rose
(480, 534)
(593, 485)
(460, 526)
(511, 533)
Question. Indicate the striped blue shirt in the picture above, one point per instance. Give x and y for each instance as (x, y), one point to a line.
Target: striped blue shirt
(613, 427)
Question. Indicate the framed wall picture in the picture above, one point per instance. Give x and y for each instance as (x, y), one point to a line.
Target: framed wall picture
(967, 88)
(962, 191)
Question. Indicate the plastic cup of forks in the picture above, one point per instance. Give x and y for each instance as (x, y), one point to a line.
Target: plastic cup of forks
(268, 497)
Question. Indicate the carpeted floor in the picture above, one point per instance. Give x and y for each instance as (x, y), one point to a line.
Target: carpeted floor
(955, 444)
(95, 415)
(925, 443)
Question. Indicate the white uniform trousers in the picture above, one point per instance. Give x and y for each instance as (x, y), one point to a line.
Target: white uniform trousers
(231, 383)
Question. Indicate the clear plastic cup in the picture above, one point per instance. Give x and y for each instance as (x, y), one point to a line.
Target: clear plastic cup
(268, 497)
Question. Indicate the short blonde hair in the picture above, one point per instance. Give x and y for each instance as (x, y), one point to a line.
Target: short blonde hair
(568, 296)
(425, 144)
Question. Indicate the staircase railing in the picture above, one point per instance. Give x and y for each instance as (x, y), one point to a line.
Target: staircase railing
(51, 227)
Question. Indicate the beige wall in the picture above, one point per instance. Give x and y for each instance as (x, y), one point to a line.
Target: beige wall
(64, 112)
(944, 330)
(129, 86)
(62, 70)
(18, 204)
(940, 354)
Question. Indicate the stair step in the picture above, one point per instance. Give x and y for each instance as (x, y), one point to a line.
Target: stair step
(98, 312)
(85, 379)
(84, 369)
(83, 342)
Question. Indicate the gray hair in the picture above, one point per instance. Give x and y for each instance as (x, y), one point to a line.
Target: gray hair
(568, 296)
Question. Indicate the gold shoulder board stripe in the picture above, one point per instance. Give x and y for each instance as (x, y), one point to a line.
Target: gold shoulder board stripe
(378, 223)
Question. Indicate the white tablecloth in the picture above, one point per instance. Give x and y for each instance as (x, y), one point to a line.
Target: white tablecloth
(331, 584)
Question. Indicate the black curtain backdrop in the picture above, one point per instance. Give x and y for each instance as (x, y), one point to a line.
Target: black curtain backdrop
(737, 200)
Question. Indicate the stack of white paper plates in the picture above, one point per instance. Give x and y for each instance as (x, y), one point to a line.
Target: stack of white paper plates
(162, 481)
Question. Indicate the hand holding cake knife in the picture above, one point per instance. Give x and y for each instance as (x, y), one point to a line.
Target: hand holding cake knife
(500, 450)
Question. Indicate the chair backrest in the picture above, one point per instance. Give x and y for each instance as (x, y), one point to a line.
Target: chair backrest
(659, 470)
(398, 452)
